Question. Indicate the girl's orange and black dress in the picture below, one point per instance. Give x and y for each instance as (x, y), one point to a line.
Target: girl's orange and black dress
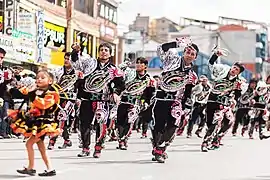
(39, 119)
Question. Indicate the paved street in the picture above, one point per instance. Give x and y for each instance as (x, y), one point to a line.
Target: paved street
(239, 159)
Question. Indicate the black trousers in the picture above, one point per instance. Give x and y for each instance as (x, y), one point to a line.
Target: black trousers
(165, 124)
(196, 113)
(66, 124)
(257, 119)
(126, 116)
(145, 119)
(89, 110)
(212, 134)
(240, 117)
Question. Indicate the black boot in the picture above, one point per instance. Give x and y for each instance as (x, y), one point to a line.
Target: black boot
(85, 152)
(66, 144)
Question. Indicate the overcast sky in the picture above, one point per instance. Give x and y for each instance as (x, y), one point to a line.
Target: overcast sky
(257, 10)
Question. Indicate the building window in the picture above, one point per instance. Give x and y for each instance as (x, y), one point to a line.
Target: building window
(62, 3)
(129, 41)
(163, 21)
(108, 12)
(51, 1)
(80, 6)
(102, 10)
(115, 17)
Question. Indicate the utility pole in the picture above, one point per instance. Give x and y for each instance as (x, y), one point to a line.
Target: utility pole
(69, 12)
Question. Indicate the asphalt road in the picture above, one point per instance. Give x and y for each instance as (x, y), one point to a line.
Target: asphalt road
(239, 159)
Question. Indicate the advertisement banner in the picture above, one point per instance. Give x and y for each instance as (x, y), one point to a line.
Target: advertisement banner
(55, 36)
(40, 37)
(6, 42)
(26, 23)
(24, 50)
(8, 16)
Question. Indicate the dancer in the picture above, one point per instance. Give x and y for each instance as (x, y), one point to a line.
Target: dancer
(138, 86)
(200, 96)
(243, 107)
(174, 89)
(101, 83)
(39, 120)
(66, 78)
(260, 110)
(225, 90)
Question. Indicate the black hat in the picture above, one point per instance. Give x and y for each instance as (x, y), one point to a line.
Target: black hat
(241, 66)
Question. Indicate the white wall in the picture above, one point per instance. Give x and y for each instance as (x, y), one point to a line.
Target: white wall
(241, 45)
(137, 44)
(204, 38)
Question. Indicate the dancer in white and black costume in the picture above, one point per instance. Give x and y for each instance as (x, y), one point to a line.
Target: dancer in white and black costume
(177, 80)
(66, 78)
(243, 107)
(260, 110)
(226, 89)
(200, 95)
(101, 83)
(139, 88)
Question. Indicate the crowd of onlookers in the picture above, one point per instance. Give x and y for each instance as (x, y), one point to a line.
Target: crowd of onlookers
(15, 76)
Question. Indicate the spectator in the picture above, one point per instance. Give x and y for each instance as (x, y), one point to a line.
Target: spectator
(5, 77)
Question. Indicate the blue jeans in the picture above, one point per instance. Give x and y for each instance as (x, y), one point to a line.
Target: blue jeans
(4, 127)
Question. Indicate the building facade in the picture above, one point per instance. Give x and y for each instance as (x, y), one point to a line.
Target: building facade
(59, 23)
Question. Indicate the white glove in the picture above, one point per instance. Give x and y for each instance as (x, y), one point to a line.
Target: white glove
(116, 98)
(1, 102)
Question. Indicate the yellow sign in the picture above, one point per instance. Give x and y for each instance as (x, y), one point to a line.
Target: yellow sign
(54, 27)
(57, 58)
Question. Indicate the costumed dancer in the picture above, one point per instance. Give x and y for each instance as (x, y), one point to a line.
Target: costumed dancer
(139, 88)
(66, 78)
(102, 81)
(200, 95)
(243, 107)
(226, 89)
(260, 110)
(174, 89)
(38, 121)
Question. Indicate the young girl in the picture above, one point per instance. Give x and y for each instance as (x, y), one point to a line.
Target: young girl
(39, 120)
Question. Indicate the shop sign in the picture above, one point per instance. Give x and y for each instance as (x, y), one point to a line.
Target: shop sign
(6, 43)
(55, 36)
(24, 49)
(40, 36)
(9, 20)
(26, 23)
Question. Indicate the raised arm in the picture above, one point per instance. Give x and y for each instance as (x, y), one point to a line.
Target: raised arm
(83, 63)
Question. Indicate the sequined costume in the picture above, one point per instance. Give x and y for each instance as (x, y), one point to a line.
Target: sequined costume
(138, 90)
(200, 95)
(221, 102)
(39, 119)
(173, 92)
(99, 82)
(260, 110)
(66, 80)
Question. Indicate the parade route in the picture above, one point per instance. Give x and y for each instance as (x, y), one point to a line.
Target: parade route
(239, 159)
